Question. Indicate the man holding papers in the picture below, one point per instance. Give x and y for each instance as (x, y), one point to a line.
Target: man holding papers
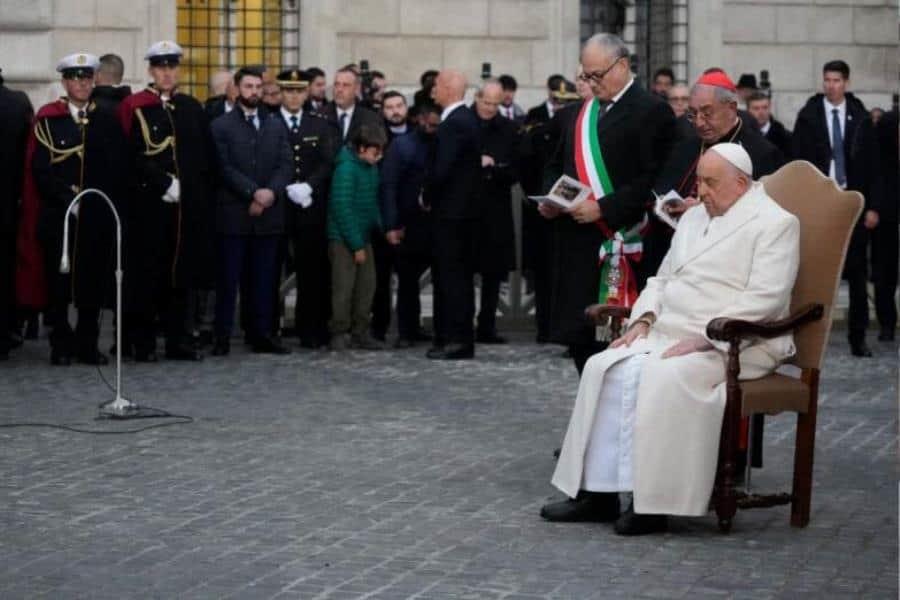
(614, 143)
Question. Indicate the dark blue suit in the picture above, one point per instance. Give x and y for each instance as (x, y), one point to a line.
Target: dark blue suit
(249, 159)
(402, 181)
(453, 186)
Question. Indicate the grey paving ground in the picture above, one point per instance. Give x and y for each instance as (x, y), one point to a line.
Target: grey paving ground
(383, 475)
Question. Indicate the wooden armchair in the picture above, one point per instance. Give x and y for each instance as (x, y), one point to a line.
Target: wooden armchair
(827, 216)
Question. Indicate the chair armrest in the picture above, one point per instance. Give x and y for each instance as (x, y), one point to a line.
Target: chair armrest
(598, 313)
(729, 330)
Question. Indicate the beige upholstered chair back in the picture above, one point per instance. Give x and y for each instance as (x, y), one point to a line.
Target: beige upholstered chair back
(827, 216)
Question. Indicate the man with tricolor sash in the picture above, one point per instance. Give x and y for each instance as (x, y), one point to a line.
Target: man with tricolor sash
(614, 143)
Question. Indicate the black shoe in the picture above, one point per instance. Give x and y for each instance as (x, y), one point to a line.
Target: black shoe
(183, 352)
(127, 351)
(599, 507)
(14, 340)
(145, 356)
(422, 336)
(269, 345)
(886, 335)
(60, 358)
(860, 349)
(367, 342)
(311, 344)
(221, 347)
(32, 329)
(93, 357)
(490, 338)
(403, 343)
(631, 523)
(452, 352)
(379, 335)
(556, 453)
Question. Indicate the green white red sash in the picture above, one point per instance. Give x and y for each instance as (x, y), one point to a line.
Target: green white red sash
(617, 281)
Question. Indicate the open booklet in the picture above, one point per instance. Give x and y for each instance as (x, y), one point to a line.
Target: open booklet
(672, 198)
(565, 193)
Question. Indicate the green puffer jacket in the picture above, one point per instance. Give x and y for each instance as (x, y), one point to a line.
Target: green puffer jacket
(353, 213)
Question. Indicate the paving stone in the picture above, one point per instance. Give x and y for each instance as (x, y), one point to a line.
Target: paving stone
(384, 475)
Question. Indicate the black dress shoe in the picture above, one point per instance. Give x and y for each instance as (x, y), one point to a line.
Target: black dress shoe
(93, 357)
(422, 336)
(490, 338)
(452, 352)
(221, 347)
(269, 345)
(311, 344)
(145, 356)
(860, 349)
(631, 523)
(599, 507)
(886, 335)
(183, 352)
(403, 343)
(60, 358)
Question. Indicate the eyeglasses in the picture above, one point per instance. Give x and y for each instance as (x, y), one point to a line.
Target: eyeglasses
(597, 76)
(706, 113)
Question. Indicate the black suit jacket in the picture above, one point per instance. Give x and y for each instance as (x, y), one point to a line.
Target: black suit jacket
(249, 160)
(537, 114)
(313, 148)
(780, 137)
(811, 142)
(361, 116)
(15, 118)
(636, 134)
(456, 172)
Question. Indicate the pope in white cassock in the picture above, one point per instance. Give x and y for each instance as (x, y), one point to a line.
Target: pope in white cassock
(649, 409)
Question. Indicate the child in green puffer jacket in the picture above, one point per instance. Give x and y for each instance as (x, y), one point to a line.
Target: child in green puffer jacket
(353, 218)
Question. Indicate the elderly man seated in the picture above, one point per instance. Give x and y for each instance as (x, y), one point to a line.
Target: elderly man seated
(649, 409)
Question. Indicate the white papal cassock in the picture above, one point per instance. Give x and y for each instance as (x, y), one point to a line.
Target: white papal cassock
(651, 425)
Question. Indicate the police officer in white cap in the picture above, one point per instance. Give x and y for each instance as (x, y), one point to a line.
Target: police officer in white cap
(169, 246)
(75, 146)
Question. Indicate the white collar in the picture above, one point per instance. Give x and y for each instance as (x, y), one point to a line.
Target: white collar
(248, 113)
(829, 106)
(764, 129)
(621, 93)
(229, 106)
(550, 108)
(451, 108)
(74, 110)
(399, 129)
(347, 111)
(288, 114)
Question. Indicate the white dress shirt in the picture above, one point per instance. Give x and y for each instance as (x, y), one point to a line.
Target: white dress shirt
(550, 109)
(286, 115)
(842, 117)
(450, 109)
(75, 110)
(345, 111)
(764, 129)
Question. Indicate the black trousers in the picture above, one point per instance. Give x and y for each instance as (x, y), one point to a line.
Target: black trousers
(885, 249)
(313, 274)
(7, 288)
(490, 299)
(855, 272)
(169, 308)
(385, 262)
(412, 262)
(454, 244)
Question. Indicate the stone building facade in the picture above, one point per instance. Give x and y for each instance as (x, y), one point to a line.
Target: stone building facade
(529, 39)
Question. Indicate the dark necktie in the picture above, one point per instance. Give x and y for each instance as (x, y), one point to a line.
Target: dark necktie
(81, 115)
(295, 126)
(837, 149)
(252, 120)
(343, 122)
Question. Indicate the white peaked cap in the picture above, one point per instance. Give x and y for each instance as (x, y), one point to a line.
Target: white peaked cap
(79, 60)
(736, 155)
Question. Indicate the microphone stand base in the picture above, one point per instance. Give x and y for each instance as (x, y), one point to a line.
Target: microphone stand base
(120, 407)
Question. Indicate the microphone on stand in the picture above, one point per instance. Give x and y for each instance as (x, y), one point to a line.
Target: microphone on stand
(120, 407)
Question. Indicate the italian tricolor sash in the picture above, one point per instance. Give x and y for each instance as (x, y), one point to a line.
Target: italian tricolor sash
(621, 248)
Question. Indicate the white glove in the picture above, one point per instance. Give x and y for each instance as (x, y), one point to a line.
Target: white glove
(300, 194)
(75, 208)
(173, 194)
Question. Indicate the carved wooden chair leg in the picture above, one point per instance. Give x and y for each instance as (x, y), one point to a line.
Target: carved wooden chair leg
(804, 451)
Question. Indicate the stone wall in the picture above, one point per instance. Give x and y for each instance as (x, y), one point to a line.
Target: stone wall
(794, 39)
(529, 39)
